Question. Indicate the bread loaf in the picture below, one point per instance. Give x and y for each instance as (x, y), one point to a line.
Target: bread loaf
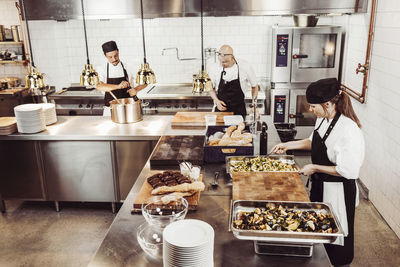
(192, 187)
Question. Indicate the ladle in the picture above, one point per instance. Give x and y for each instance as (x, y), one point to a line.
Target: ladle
(112, 94)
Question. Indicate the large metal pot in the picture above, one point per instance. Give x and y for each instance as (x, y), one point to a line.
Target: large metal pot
(126, 110)
(305, 20)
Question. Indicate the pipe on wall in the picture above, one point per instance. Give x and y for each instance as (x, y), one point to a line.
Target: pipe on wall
(364, 69)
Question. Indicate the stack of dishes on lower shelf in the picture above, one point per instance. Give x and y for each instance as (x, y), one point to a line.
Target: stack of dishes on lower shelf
(188, 243)
(30, 118)
(49, 111)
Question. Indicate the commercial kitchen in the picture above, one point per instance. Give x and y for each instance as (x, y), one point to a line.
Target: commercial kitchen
(79, 180)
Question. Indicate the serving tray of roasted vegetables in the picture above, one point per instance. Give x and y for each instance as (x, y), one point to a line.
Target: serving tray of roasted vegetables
(271, 163)
(284, 221)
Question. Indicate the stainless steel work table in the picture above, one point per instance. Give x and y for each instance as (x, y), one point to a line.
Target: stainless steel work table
(99, 128)
(120, 246)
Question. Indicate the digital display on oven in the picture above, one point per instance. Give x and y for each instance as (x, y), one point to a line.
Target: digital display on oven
(279, 108)
(282, 41)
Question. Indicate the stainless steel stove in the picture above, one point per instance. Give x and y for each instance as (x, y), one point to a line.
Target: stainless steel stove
(171, 98)
(77, 100)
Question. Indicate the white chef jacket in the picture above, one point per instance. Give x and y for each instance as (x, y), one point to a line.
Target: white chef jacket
(345, 148)
(246, 73)
(114, 71)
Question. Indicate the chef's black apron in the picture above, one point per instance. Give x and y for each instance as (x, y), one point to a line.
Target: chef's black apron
(338, 255)
(119, 93)
(232, 95)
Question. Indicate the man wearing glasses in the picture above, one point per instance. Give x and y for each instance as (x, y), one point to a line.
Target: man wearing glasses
(231, 81)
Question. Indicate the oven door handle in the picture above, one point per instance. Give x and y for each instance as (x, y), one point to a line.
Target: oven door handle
(299, 115)
(295, 56)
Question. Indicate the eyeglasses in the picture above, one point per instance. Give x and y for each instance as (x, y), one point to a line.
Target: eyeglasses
(223, 55)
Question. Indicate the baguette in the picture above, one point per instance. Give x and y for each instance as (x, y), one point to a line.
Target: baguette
(185, 187)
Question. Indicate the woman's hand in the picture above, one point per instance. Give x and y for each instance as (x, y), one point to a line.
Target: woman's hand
(279, 148)
(308, 169)
(220, 105)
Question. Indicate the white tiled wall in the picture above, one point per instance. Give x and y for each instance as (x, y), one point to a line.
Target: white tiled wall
(8, 17)
(59, 47)
(380, 115)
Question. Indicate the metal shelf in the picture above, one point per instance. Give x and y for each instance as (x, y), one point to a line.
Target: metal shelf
(10, 42)
(13, 61)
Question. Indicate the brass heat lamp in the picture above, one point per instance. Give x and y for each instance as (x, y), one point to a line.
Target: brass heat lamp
(34, 81)
(145, 74)
(202, 82)
(89, 76)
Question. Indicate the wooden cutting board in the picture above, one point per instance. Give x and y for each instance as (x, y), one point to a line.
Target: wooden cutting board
(145, 193)
(278, 186)
(196, 119)
(171, 149)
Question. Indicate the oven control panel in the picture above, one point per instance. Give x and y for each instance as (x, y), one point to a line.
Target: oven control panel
(282, 41)
(279, 108)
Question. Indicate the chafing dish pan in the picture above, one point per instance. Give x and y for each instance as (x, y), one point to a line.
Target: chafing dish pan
(284, 236)
(288, 159)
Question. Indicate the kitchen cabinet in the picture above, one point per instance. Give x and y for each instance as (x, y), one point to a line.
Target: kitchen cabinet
(21, 171)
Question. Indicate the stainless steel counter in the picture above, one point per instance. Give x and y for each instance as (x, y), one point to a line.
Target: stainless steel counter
(102, 128)
(120, 246)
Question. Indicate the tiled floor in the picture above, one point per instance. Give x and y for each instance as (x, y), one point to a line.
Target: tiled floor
(33, 234)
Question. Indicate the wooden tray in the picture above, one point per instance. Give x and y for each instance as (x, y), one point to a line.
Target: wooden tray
(196, 119)
(171, 149)
(277, 186)
(145, 193)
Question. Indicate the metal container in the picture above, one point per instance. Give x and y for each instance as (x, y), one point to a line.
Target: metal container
(305, 20)
(2, 35)
(15, 33)
(10, 81)
(126, 110)
(284, 236)
(289, 159)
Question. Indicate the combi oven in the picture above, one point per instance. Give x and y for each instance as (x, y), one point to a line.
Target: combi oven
(305, 54)
(301, 55)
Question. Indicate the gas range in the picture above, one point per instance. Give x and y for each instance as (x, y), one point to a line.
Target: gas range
(78, 100)
(171, 98)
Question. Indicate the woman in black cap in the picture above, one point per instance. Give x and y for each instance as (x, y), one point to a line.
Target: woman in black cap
(337, 153)
(114, 77)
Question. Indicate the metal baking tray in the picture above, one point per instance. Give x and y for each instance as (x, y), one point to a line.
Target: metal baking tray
(284, 158)
(284, 236)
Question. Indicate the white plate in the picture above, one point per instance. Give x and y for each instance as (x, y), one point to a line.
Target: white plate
(188, 233)
(232, 119)
(28, 108)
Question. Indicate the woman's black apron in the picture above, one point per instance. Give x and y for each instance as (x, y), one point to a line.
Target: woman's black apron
(232, 95)
(119, 93)
(338, 255)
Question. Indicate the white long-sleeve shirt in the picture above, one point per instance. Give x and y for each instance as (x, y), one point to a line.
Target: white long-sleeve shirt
(246, 73)
(345, 145)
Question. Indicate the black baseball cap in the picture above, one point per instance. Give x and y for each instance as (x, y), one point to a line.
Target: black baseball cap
(322, 90)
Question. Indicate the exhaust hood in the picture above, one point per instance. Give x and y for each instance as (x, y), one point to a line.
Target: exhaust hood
(119, 9)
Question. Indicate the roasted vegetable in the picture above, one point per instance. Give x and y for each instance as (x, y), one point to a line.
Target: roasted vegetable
(261, 164)
(272, 218)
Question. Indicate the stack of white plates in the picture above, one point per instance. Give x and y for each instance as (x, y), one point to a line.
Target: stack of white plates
(50, 115)
(30, 118)
(188, 243)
